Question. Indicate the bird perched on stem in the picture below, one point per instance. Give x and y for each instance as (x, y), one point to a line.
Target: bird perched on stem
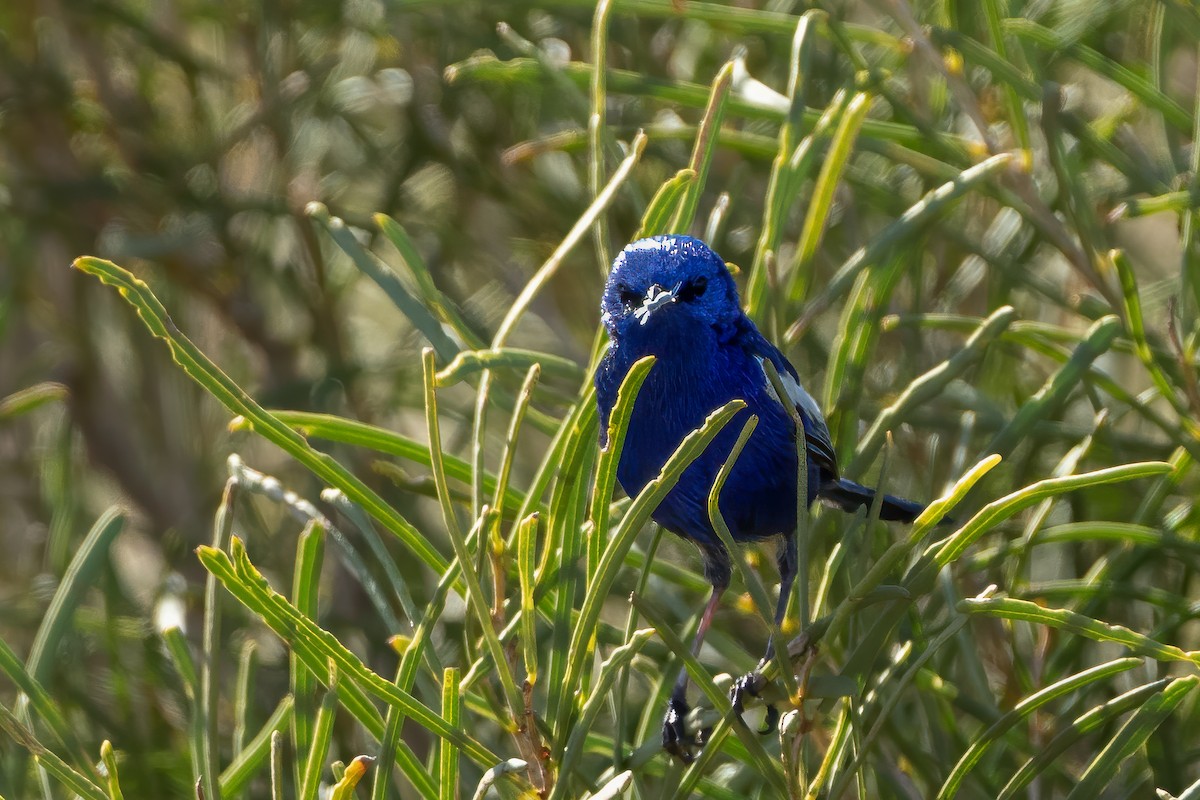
(673, 297)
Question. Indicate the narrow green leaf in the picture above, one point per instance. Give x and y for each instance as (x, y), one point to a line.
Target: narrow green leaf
(249, 759)
(317, 647)
(788, 166)
(607, 674)
(614, 554)
(109, 759)
(475, 597)
(703, 149)
(30, 399)
(597, 131)
(999, 510)
(767, 768)
(447, 752)
(1063, 619)
(821, 200)
(469, 362)
(63, 772)
(749, 577)
(322, 734)
(306, 575)
(381, 440)
(610, 456)
(1130, 738)
(526, 562)
(928, 386)
(577, 232)
(210, 653)
(198, 367)
(80, 576)
(368, 264)
(665, 204)
(410, 257)
(247, 664)
(908, 224)
(981, 743)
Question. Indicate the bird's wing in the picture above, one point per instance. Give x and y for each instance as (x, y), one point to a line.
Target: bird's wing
(816, 432)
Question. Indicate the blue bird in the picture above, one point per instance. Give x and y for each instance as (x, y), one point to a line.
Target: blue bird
(673, 297)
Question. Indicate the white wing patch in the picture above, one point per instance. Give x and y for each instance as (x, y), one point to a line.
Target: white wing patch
(796, 393)
(819, 446)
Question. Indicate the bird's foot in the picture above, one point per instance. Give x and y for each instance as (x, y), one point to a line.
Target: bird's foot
(752, 684)
(675, 737)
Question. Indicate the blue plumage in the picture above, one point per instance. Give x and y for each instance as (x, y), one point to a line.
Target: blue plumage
(672, 297)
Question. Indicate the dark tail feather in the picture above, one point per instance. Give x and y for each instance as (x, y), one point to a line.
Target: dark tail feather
(850, 496)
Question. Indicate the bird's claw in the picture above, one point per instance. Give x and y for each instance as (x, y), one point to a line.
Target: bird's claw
(752, 684)
(749, 684)
(675, 738)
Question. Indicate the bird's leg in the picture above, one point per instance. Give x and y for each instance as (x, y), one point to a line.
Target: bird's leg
(674, 731)
(752, 682)
(718, 569)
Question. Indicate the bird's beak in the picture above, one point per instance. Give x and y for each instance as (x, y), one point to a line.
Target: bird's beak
(656, 298)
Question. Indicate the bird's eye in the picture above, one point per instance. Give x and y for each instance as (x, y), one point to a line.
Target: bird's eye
(693, 289)
(629, 298)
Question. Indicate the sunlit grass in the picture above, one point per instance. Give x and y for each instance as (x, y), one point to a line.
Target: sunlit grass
(936, 239)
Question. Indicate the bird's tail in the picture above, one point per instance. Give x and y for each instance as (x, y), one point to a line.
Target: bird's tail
(850, 496)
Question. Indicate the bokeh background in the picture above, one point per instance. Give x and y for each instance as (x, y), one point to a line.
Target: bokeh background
(185, 139)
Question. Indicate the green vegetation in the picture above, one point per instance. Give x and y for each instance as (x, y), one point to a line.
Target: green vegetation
(341, 397)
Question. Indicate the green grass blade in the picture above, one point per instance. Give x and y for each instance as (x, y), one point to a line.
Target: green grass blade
(997, 511)
(44, 706)
(928, 386)
(605, 677)
(77, 782)
(306, 575)
(322, 735)
(317, 647)
(767, 769)
(1072, 622)
(703, 149)
(247, 665)
(526, 71)
(30, 398)
(597, 127)
(348, 431)
(185, 667)
(665, 204)
(200, 369)
(614, 554)
(577, 232)
(1135, 84)
(474, 590)
(249, 759)
(1130, 738)
(276, 765)
(412, 308)
(779, 197)
(1022, 711)
(447, 752)
(410, 257)
(819, 204)
(469, 362)
(81, 575)
(109, 759)
(526, 564)
(610, 456)
(907, 225)
(210, 654)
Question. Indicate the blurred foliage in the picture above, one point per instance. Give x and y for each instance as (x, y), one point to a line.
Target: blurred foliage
(186, 140)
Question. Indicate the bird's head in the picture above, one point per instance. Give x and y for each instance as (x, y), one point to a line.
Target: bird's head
(662, 278)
